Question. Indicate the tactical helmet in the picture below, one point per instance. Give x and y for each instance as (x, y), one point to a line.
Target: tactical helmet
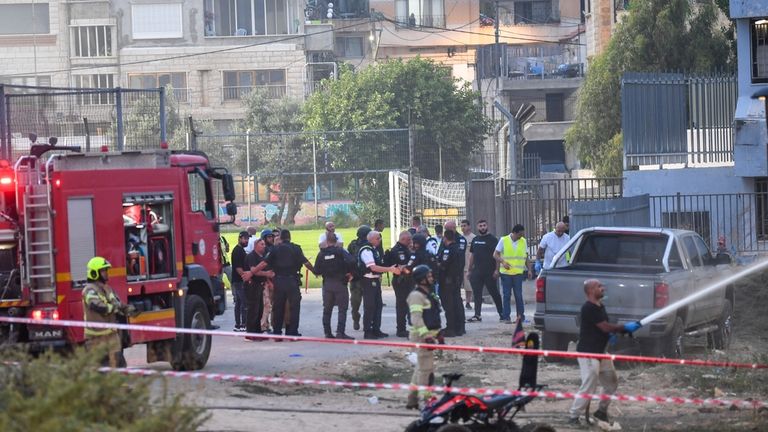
(420, 273)
(96, 265)
(363, 231)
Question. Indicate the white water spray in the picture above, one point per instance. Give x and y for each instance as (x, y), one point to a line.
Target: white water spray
(693, 297)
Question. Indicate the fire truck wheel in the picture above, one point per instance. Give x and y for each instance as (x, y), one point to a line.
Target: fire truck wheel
(195, 348)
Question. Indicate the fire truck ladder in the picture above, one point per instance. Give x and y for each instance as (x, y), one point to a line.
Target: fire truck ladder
(39, 274)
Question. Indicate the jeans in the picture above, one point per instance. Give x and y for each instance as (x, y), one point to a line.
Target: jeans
(512, 284)
(238, 294)
(487, 281)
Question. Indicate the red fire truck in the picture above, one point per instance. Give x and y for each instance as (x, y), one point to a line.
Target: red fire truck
(152, 214)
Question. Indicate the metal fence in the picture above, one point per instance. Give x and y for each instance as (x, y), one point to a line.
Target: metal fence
(89, 118)
(677, 119)
(741, 219)
(538, 204)
(530, 61)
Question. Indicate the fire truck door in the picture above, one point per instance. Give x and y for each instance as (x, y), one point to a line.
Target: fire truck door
(202, 229)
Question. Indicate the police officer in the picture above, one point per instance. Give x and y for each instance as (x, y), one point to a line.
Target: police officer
(450, 274)
(334, 266)
(424, 307)
(400, 255)
(461, 243)
(420, 255)
(254, 288)
(286, 260)
(101, 305)
(356, 285)
(372, 265)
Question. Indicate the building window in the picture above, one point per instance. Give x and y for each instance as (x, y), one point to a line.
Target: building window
(40, 81)
(555, 107)
(92, 41)
(156, 21)
(420, 13)
(350, 47)
(95, 81)
(533, 12)
(177, 80)
(239, 83)
(27, 18)
(246, 17)
(759, 30)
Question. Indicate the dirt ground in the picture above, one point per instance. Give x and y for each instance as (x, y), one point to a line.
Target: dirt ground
(244, 407)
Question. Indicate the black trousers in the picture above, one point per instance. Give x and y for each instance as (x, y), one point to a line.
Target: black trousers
(287, 290)
(403, 287)
(335, 293)
(372, 305)
(487, 281)
(254, 303)
(450, 297)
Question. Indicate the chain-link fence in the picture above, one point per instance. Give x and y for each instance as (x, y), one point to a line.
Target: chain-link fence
(307, 177)
(120, 119)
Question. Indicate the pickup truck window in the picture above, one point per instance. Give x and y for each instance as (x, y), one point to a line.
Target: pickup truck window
(693, 253)
(623, 249)
(704, 253)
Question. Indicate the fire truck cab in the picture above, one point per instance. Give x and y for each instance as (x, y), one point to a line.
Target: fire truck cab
(154, 215)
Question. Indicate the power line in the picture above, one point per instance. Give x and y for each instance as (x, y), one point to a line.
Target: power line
(181, 56)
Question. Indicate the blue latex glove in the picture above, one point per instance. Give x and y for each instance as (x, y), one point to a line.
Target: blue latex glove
(537, 267)
(632, 327)
(612, 340)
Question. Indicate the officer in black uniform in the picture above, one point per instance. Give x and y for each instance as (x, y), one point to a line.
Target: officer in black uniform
(286, 260)
(335, 268)
(371, 266)
(450, 274)
(462, 244)
(399, 255)
(420, 255)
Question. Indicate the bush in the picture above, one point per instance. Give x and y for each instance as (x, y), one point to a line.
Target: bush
(52, 393)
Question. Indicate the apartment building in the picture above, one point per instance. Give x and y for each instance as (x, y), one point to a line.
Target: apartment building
(600, 20)
(211, 51)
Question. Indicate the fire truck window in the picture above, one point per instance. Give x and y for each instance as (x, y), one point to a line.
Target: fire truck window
(148, 240)
(160, 242)
(200, 195)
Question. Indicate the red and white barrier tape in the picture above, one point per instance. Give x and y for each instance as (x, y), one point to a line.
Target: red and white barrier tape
(749, 404)
(408, 345)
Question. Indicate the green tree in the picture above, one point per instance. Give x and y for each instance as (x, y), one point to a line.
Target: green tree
(278, 149)
(656, 36)
(396, 94)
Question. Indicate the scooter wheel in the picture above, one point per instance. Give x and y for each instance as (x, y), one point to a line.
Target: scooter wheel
(537, 427)
(453, 428)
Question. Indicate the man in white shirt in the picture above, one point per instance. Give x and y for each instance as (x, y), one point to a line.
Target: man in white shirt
(330, 227)
(252, 240)
(466, 231)
(551, 244)
(369, 257)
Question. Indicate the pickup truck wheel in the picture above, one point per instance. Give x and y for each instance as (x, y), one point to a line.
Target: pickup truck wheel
(195, 349)
(720, 339)
(674, 341)
(554, 341)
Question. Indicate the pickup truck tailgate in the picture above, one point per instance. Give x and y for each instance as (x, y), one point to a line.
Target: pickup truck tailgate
(626, 295)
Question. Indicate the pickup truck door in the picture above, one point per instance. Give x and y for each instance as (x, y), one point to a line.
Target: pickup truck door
(697, 278)
(711, 304)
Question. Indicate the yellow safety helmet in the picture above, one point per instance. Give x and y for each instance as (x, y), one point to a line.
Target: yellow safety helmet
(95, 265)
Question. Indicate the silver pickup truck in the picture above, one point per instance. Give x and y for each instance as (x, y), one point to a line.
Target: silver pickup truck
(643, 270)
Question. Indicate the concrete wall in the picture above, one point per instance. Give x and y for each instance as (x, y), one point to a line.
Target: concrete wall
(719, 180)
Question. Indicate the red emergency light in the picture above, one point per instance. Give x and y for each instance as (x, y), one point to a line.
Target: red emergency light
(6, 180)
(37, 315)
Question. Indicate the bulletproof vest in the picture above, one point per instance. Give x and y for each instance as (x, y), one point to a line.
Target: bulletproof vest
(362, 268)
(332, 264)
(286, 261)
(431, 315)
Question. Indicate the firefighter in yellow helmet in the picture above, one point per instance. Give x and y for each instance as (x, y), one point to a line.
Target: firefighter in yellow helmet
(424, 307)
(101, 305)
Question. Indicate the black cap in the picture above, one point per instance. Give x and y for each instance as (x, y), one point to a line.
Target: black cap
(245, 234)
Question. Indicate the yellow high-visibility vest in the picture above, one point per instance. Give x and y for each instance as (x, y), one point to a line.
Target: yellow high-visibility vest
(514, 256)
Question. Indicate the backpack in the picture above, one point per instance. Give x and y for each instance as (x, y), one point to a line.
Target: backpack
(354, 250)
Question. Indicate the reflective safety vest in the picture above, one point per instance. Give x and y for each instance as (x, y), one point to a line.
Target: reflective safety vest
(514, 256)
(100, 305)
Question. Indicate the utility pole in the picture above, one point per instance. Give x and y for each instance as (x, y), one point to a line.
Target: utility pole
(497, 48)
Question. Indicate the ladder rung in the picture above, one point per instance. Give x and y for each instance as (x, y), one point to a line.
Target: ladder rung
(40, 276)
(42, 291)
(32, 196)
(40, 252)
(38, 229)
(38, 220)
(37, 205)
(40, 267)
(39, 243)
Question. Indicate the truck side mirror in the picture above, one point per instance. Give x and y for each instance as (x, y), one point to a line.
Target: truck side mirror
(231, 209)
(229, 189)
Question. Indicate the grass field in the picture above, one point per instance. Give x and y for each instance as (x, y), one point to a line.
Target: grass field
(307, 239)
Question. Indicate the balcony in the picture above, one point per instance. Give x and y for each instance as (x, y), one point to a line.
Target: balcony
(415, 21)
(273, 91)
